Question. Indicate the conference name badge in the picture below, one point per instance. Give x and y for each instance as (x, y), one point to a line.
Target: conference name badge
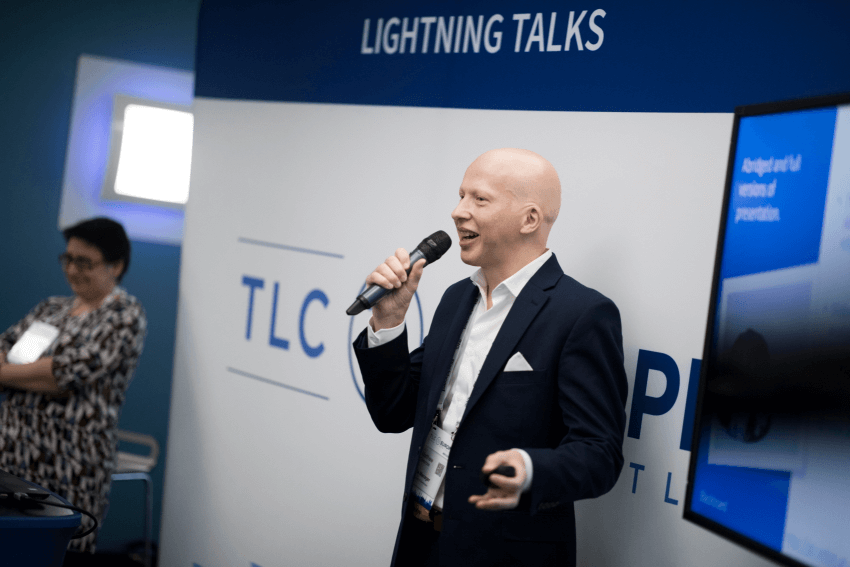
(34, 343)
(433, 462)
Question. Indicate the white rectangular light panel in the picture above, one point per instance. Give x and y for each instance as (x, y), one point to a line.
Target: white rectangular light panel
(150, 152)
(156, 154)
(103, 89)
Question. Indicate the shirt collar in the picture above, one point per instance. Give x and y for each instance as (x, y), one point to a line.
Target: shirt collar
(516, 282)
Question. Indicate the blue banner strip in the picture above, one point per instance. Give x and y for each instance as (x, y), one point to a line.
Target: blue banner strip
(542, 55)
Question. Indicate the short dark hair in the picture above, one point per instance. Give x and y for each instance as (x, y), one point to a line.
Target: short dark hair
(106, 235)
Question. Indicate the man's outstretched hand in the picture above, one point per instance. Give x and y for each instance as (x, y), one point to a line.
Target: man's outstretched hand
(505, 493)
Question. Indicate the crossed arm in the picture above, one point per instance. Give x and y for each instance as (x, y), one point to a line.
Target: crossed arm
(36, 376)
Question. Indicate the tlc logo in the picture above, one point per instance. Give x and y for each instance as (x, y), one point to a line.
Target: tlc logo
(255, 284)
(648, 405)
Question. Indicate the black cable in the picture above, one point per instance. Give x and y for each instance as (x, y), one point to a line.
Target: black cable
(19, 496)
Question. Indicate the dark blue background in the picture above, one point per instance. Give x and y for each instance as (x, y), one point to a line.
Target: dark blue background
(666, 57)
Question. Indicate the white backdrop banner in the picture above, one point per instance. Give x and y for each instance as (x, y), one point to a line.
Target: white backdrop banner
(273, 457)
(323, 144)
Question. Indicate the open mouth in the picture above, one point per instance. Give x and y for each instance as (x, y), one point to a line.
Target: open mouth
(467, 235)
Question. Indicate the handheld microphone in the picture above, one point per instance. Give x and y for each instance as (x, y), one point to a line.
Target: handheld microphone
(432, 248)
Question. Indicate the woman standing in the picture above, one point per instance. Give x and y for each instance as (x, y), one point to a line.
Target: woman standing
(58, 420)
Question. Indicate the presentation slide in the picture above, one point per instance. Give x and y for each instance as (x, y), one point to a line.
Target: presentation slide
(786, 258)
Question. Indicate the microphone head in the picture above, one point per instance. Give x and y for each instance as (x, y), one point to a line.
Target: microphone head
(435, 246)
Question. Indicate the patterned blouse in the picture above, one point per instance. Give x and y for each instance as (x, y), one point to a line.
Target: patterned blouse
(65, 442)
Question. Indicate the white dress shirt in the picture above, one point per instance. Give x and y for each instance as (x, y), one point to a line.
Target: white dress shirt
(477, 338)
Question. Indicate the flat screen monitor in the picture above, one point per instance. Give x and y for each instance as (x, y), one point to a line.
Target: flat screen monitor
(770, 465)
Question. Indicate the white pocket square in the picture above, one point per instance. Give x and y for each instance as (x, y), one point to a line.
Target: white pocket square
(517, 363)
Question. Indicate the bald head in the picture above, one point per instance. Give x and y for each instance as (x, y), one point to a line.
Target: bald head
(529, 177)
(509, 199)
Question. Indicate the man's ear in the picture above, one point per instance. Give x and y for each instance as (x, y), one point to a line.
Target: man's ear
(531, 219)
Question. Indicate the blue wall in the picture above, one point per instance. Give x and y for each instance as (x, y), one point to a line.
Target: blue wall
(40, 43)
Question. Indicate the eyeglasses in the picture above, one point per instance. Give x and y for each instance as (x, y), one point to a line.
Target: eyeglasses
(83, 264)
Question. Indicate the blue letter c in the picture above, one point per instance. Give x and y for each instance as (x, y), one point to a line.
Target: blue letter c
(315, 295)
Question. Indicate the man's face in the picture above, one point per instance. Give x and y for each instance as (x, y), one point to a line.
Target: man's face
(488, 217)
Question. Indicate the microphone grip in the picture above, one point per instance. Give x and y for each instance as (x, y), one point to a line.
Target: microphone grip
(374, 293)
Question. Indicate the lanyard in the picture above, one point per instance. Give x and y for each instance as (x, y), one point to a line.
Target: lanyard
(455, 361)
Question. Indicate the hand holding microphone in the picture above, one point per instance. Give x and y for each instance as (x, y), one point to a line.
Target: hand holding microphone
(401, 279)
(395, 281)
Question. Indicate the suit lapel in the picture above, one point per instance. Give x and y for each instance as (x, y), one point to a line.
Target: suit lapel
(447, 352)
(531, 300)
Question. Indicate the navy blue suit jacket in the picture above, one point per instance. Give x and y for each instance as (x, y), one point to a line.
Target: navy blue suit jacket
(568, 413)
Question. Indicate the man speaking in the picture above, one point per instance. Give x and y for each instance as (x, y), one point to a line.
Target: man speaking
(522, 367)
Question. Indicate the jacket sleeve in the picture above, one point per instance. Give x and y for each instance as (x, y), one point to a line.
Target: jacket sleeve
(391, 379)
(592, 391)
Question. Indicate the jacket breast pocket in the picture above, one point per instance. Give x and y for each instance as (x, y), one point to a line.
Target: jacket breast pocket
(521, 377)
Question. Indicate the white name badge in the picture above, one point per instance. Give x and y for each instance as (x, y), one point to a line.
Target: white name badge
(432, 466)
(33, 343)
